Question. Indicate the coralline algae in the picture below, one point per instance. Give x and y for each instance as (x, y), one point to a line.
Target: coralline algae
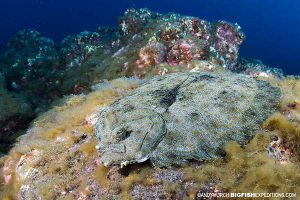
(183, 116)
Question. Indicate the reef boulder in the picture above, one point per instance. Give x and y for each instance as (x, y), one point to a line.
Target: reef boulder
(75, 49)
(29, 65)
(177, 117)
(15, 113)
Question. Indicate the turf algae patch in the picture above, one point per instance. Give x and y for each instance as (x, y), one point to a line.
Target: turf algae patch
(246, 169)
(57, 158)
(183, 116)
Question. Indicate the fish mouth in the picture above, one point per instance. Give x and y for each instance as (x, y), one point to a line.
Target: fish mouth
(116, 155)
(119, 159)
(111, 154)
(108, 159)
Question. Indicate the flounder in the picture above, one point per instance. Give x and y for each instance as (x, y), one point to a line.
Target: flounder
(183, 116)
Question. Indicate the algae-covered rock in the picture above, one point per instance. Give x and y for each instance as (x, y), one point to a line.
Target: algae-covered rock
(257, 68)
(183, 116)
(145, 41)
(57, 158)
(15, 113)
(75, 49)
(29, 65)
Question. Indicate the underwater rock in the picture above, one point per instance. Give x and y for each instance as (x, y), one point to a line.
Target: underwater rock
(152, 54)
(187, 50)
(256, 68)
(29, 65)
(134, 20)
(84, 59)
(186, 39)
(15, 113)
(148, 40)
(74, 50)
(183, 116)
(32, 169)
(35, 66)
(64, 132)
(228, 39)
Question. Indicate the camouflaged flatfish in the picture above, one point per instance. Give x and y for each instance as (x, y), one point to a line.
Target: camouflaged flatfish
(184, 116)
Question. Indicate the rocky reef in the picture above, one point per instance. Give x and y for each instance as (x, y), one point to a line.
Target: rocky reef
(29, 65)
(15, 114)
(145, 44)
(161, 107)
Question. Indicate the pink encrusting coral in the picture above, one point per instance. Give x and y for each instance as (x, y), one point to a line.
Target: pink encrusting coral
(170, 33)
(197, 27)
(228, 39)
(152, 54)
(186, 50)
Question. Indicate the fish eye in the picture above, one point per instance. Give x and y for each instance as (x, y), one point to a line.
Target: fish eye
(123, 134)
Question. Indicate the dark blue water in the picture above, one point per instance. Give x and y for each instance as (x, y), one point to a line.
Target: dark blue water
(272, 26)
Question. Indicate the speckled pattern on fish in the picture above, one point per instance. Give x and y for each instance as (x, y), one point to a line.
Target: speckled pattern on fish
(183, 116)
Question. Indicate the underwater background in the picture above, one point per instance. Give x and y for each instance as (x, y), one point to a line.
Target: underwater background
(125, 100)
(271, 26)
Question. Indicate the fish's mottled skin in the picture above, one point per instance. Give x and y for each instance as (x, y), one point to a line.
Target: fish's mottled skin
(183, 116)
